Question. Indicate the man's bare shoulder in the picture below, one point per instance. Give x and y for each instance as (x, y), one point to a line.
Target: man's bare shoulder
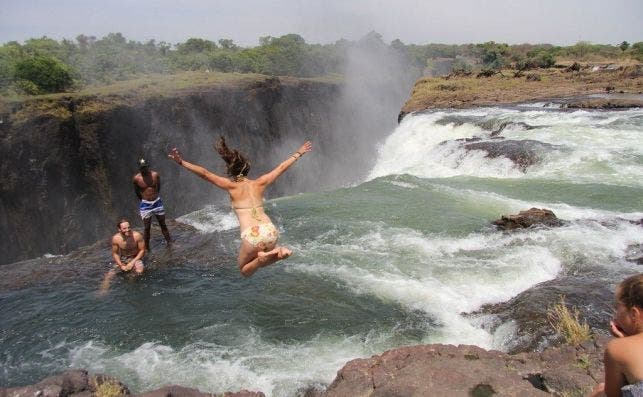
(137, 235)
(117, 238)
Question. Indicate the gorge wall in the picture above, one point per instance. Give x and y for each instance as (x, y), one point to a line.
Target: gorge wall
(67, 163)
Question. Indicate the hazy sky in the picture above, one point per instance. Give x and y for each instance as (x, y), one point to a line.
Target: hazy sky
(562, 22)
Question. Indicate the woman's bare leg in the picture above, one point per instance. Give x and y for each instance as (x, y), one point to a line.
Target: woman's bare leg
(251, 259)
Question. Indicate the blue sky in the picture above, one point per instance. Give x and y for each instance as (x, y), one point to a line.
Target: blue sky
(562, 22)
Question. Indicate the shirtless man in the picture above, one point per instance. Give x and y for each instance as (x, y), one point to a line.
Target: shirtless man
(147, 186)
(127, 250)
(128, 247)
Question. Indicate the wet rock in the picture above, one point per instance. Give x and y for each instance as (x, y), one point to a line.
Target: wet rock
(66, 384)
(523, 153)
(77, 383)
(508, 125)
(526, 313)
(494, 125)
(605, 103)
(446, 370)
(528, 218)
(634, 253)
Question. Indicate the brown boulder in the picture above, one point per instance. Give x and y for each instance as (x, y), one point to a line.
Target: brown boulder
(66, 384)
(446, 370)
(525, 219)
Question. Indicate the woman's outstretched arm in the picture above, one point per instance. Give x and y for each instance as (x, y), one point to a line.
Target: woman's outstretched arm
(272, 176)
(219, 181)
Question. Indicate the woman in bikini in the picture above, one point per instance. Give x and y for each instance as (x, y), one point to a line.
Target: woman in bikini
(258, 235)
(624, 354)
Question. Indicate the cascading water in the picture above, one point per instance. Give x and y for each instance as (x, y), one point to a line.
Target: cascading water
(396, 260)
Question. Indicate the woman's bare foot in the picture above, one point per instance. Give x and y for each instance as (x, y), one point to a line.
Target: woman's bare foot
(265, 255)
(284, 253)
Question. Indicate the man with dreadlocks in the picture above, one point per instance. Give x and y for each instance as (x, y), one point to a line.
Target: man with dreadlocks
(258, 235)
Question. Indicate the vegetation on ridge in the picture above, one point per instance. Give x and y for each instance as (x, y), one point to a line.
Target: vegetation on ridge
(44, 65)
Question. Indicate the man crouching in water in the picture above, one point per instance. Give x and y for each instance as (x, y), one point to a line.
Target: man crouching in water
(128, 247)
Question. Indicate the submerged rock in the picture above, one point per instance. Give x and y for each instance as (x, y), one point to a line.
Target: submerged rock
(634, 253)
(605, 103)
(523, 153)
(528, 218)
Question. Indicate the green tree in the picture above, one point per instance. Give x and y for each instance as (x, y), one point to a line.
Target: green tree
(493, 54)
(624, 45)
(637, 50)
(227, 44)
(195, 45)
(47, 73)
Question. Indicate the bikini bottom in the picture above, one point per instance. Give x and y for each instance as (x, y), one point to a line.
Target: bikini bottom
(261, 235)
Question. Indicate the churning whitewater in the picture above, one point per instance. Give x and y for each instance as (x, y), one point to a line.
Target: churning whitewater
(398, 259)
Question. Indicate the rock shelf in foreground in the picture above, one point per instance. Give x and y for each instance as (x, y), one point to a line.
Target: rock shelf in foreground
(423, 370)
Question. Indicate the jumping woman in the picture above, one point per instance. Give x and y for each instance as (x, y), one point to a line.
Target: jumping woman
(258, 235)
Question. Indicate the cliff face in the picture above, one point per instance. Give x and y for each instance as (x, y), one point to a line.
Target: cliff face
(67, 165)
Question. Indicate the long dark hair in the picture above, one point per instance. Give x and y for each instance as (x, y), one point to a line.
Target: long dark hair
(237, 165)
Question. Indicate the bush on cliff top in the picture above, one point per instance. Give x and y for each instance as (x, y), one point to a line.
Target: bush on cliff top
(46, 73)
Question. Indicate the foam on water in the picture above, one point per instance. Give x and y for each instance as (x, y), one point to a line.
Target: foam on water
(592, 146)
(253, 364)
(211, 219)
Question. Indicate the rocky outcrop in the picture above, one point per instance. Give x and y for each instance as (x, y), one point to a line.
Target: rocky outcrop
(528, 218)
(445, 370)
(73, 383)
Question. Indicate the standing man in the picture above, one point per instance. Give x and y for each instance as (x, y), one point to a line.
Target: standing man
(147, 185)
(128, 249)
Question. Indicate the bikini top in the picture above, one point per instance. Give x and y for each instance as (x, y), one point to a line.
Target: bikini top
(254, 207)
(254, 213)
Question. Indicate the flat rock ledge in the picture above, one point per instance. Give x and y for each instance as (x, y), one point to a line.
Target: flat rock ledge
(423, 370)
(446, 370)
(528, 218)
